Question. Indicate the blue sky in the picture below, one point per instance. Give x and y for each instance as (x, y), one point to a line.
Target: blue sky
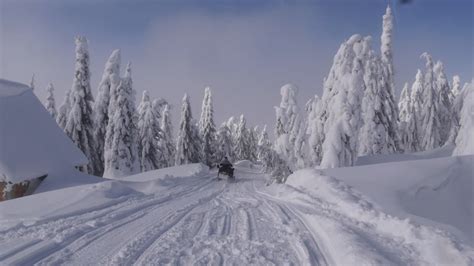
(244, 50)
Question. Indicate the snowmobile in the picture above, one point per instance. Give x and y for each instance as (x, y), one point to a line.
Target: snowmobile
(227, 170)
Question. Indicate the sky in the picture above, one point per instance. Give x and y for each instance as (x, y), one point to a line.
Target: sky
(244, 50)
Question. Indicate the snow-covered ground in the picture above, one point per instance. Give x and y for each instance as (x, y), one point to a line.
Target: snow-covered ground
(182, 215)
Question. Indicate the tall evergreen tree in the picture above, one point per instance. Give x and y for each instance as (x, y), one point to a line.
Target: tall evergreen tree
(188, 143)
(339, 110)
(79, 126)
(207, 129)
(224, 143)
(264, 146)
(388, 109)
(416, 99)
(464, 139)
(110, 78)
(149, 136)
(377, 135)
(287, 115)
(457, 106)
(50, 103)
(445, 115)
(242, 142)
(408, 123)
(430, 123)
(64, 109)
(168, 144)
(121, 151)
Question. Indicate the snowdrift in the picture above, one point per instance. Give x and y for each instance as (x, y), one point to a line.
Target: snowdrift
(436, 192)
(73, 193)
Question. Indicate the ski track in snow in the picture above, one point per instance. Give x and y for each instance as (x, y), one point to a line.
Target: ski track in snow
(204, 222)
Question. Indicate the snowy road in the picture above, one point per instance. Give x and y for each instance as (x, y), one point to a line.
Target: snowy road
(204, 222)
(209, 222)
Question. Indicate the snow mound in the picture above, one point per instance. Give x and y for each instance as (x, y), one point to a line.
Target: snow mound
(433, 246)
(11, 88)
(244, 164)
(27, 131)
(188, 170)
(385, 158)
(435, 191)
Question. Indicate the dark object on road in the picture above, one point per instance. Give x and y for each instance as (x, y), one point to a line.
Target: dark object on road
(405, 1)
(225, 167)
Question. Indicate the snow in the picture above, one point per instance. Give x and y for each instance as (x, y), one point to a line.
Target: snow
(26, 131)
(182, 215)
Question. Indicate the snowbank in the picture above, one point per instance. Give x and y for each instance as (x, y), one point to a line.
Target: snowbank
(70, 193)
(31, 143)
(392, 196)
(385, 158)
(434, 191)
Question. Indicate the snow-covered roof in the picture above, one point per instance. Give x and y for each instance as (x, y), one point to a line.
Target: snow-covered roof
(31, 143)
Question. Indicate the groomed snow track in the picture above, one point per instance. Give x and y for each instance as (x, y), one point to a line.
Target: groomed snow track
(205, 222)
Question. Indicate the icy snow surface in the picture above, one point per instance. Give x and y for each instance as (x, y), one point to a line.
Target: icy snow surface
(183, 216)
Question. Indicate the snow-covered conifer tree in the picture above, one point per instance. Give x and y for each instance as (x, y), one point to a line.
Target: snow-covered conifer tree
(456, 87)
(465, 139)
(314, 133)
(286, 118)
(50, 103)
(207, 129)
(339, 111)
(457, 106)
(408, 123)
(168, 144)
(263, 146)
(121, 145)
(224, 143)
(110, 77)
(149, 136)
(378, 133)
(444, 102)
(253, 135)
(188, 143)
(430, 124)
(80, 125)
(64, 109)
(242, 142)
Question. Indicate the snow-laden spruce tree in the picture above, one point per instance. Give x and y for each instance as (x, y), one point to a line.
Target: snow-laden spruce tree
(456, 88)
(430, 124)
(416, 98)
(80, 123)
(459, 96)
(444, 102)
(264, 147)
(340, 107)
(50, 103)
(408, 123)
(207, 129)
(315, 133)
(110, 77)
(379, 133)
(465, 138)
(242, 142)
(64, 109)
(168, 143)
(149, 136)
(286, 118)
(188, 144)
(121, 145)
(224, 143)
(389, 108)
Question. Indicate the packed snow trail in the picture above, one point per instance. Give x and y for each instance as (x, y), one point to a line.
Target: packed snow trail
(208, 222)
(203, 222)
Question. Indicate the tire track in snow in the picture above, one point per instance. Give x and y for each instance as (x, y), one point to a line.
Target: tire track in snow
(79, 233)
